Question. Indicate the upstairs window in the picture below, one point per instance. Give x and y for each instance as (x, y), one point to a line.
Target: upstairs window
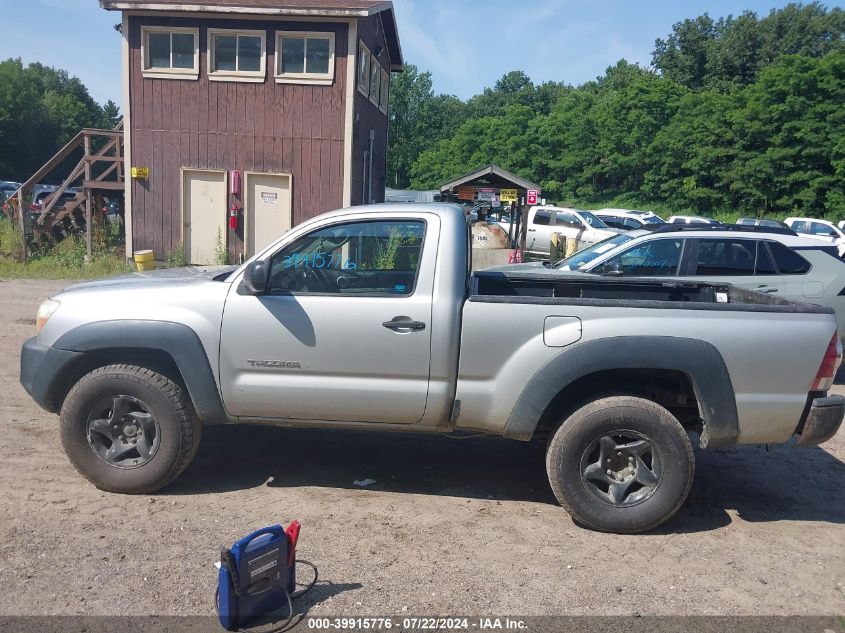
(170, 53)
(375, 81)
(306, 58)
(364, 69)
(236, 55)
(384, 96)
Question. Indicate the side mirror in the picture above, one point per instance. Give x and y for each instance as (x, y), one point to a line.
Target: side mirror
(256, 279)
(612, 270)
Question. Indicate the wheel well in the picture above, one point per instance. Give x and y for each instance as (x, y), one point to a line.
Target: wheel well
(669, 388)
(157, 360)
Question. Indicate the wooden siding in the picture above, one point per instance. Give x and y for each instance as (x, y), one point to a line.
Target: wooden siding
(259, 127)
(369, 117)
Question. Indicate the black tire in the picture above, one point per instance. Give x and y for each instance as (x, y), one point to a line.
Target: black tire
(175, 429)
(646, 450)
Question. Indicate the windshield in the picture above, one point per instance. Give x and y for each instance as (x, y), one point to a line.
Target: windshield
(592, 220)
(653, 219)
(579, 260)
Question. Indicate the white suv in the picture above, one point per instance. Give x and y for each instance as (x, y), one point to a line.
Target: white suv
(819, 230)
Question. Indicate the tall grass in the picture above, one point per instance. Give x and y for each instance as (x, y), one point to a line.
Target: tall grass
(64, 259)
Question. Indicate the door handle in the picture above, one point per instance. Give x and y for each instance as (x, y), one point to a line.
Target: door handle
(404, 324)
(766, 289)
(532, 230)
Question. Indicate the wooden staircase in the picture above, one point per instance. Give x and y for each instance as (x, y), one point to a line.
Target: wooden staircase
(99, 170)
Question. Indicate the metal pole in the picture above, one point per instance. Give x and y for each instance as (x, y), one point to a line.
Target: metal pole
(89, 216)
(22, 225)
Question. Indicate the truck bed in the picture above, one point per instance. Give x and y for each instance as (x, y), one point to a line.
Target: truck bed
(766, 349)
(553, 288)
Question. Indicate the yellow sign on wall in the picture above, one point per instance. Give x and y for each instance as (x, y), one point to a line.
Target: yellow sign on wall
(141, 173)
(508, 195)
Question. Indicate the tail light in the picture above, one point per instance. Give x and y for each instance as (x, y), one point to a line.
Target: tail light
(35, 206)
(830, 365)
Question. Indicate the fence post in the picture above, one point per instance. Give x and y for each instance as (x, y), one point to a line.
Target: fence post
(22, 226)
(89, 216)
(555, 251)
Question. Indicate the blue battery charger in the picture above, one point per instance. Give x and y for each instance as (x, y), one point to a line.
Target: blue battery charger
(257, 577)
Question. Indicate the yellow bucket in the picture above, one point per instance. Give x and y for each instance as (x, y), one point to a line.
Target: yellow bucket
(145, 260)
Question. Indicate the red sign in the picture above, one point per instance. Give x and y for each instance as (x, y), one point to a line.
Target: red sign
(532, 196)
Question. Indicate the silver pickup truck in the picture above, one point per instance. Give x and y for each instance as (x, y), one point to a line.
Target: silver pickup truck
(368, 318)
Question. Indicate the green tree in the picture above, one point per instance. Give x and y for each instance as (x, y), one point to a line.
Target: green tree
(418, 119)
(41, 108)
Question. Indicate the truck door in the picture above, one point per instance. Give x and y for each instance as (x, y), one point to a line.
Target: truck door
(540, 227)
(344, 331)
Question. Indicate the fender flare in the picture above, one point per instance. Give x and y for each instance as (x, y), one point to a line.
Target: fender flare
(699, 360)
(177, 340)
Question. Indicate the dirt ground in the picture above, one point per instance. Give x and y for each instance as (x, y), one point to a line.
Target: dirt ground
(452, 527)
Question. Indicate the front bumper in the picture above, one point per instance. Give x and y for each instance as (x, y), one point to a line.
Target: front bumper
(42, 368)
(823, 420)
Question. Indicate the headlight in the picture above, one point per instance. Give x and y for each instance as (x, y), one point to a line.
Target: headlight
(45, 311)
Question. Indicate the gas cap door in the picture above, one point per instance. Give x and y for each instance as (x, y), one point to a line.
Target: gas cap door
(561, 331)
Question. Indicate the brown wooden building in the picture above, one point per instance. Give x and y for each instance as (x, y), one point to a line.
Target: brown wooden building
(271, 111)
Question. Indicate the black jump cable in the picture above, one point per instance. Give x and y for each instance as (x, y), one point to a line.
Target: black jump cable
(226, 559)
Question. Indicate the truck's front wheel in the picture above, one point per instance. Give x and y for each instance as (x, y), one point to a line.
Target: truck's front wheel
(129, 429)
(621, 464)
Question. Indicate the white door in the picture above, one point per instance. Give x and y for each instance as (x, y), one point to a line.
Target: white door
(268, 210)
(540, 229)
(204, 215)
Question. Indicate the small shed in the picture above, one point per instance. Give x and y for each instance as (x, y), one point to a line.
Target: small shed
(244, 118)
(488, 185)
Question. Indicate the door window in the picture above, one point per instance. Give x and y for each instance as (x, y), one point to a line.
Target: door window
(568, 220)
(765, 264)
(543, 218)
(615, 223)
(366, 258)
(656, 258)
(822, 230)
(733, 258)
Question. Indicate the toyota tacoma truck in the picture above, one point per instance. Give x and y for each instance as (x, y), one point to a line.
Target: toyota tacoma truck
(369, 318)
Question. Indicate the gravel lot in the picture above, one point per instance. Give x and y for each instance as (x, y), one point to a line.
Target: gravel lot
(452, 527)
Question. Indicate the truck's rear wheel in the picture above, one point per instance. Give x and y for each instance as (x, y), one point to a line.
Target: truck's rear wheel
(129, 429)
(621, 464)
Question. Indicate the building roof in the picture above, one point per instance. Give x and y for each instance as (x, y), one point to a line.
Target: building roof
(492, 175)
(298, 8)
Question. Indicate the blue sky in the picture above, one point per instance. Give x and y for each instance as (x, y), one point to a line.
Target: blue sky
(466, 44)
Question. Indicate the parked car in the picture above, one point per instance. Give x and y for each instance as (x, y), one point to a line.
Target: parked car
(40, 194)
(616, 373)
(820, 230)
(626, 220)
(7, 189)
(576, 223)
(771, 261)
(772, 224)
(691, 219)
